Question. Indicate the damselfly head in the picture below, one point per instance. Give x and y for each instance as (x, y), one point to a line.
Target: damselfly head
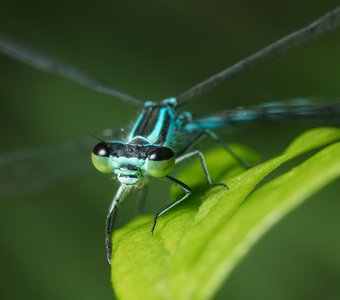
(132, 162)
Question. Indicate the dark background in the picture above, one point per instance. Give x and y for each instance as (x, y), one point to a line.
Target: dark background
(52, 239)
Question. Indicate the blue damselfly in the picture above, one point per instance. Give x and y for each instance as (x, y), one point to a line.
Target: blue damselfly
(152, 147)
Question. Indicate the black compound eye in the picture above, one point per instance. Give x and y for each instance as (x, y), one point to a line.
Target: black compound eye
(160, 162)
(101, 158)
(102, 149)
(160, 154)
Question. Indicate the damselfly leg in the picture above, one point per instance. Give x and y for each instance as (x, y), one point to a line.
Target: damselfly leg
(167, 207)
(183, 186)
(224, 145)
(120, 195)
(203, 164)
(203, 133)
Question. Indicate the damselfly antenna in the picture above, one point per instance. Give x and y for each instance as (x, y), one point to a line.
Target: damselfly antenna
(52, 65)
(98, 138)
(326, 23)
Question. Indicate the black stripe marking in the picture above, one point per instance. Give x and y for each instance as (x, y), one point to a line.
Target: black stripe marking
(165, 129)
(148, 122)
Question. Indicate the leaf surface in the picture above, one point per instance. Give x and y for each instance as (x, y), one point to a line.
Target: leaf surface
(197, 244)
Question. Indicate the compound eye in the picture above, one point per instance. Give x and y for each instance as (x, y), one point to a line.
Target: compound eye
(101, 158)
(160, 162)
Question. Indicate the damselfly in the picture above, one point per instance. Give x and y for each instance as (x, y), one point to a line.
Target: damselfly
(163, 136)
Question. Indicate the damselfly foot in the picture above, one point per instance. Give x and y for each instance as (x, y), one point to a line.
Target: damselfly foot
(219, 184)
(167, 207)
(154, 224)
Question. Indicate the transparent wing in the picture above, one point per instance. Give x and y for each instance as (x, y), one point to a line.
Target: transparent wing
(25, 170)
(326, 23)
(52, 65)
(297, 110)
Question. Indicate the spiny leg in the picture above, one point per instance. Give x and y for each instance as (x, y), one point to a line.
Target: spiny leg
(111, 216)
(217, 139)
(204, 166)
(206, 132)
(167, 207)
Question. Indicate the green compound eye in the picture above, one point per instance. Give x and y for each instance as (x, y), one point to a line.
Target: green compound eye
(160, 162)
(101, 158)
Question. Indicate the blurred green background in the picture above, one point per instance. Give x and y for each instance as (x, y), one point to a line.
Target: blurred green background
(52, 244)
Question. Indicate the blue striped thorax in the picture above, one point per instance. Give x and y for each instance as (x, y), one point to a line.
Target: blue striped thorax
(158, 124)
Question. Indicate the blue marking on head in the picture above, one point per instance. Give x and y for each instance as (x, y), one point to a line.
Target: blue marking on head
(117, 142)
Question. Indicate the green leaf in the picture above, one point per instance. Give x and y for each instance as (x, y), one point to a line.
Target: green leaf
(197, 244)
